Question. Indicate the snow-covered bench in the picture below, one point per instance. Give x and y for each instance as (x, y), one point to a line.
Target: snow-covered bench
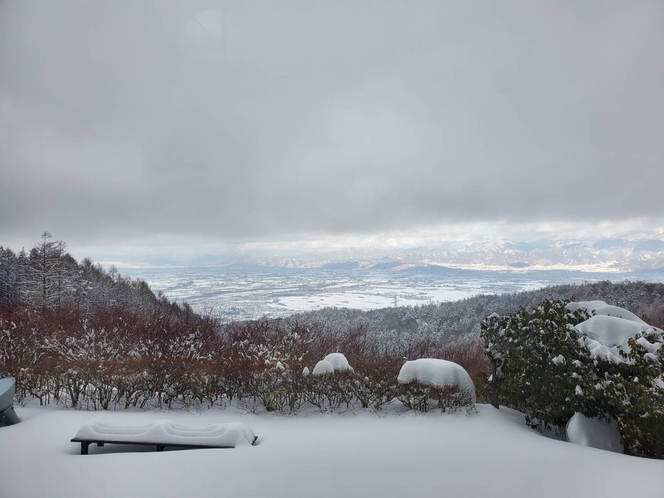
(164, 433)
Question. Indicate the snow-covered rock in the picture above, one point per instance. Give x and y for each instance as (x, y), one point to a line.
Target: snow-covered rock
(338, 361)
(594, 433)
(323, 367)
(439, 373)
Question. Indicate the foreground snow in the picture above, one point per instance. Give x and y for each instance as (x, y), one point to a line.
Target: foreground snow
(397, 454)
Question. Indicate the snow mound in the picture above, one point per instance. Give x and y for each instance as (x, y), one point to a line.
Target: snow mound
(167, 432)
(323, 367)
(438, 373)
(338, 361)
(610, 328)
(611, 331)
(600, 308)
(594, 433)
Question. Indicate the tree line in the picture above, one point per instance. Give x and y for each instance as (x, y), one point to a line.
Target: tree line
(49, 279)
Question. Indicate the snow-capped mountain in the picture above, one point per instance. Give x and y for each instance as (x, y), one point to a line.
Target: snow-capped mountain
(626, 252)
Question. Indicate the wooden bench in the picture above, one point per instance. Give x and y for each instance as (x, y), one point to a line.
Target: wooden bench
(164, 433)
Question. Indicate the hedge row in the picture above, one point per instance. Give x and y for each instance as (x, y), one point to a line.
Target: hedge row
(118, 359)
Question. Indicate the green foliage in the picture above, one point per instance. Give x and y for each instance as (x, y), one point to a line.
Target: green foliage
(542, 368)
(639, 413)
(538, 362)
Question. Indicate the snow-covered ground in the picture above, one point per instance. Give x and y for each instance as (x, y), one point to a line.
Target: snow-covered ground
(362, 454)
(242, 293)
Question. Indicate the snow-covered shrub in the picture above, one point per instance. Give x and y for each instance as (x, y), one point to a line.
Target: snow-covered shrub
(556, 359)
(329, 387)
(537, 363)
(628, 361)
(430, 383)
(263, 362)
(439, 373)
(638, 394)
(374, 382)
(323, 367)
(338, 361)
(330, 392)
(333, 362)
(426, 398)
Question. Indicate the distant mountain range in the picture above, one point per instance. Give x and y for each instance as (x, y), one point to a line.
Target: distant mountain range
(624, 253)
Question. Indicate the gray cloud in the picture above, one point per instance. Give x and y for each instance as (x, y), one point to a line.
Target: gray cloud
(326, 117)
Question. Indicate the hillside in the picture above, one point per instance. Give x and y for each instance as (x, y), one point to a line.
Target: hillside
(447, 322)
(49, 279)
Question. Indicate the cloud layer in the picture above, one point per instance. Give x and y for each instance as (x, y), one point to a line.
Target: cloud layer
(123, 120)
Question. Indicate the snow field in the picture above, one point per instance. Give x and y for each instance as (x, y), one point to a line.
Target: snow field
(397, 454)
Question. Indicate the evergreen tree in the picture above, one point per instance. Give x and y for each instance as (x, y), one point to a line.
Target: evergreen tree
(10, 277)
(44, 285)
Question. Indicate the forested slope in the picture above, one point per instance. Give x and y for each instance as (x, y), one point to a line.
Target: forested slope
(450, 321)
(49, 279)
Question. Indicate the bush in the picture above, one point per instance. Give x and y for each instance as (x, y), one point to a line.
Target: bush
(425, 398)
(117, 358)
(542, 366)
(537, 363)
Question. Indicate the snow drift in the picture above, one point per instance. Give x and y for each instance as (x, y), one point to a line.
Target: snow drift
(594, 433)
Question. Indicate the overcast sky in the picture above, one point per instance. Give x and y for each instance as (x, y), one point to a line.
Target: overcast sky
(134, 124)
